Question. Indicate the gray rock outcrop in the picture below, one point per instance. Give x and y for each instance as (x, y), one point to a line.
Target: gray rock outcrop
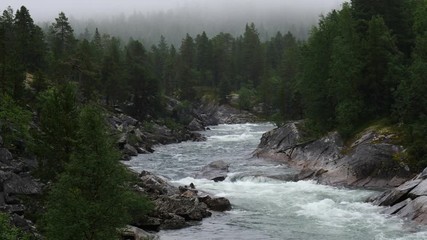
(174, 207)
(216, 171)
(134, 233)
(408, 200)
(134, 137)
(16, 183)
(367, 162)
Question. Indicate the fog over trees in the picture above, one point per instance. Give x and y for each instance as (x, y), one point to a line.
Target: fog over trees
(147, 20)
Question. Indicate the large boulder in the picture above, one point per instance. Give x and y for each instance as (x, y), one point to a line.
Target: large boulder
(195, 125)
(152, 184)
(219, 204)
(130, 150)
(13, 184)
(134, 233)
(173, 221)
(5, 155)
(188, 208)
(216, 171)
(275, 143)
(174, 207)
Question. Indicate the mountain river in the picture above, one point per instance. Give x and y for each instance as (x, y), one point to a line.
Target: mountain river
(263, 206)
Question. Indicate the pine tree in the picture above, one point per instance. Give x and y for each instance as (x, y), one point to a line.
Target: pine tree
(62, 38)
(252, 55)
(145, 89)
(112, 74)
(29, 41)
(90, 200)
(381, 58)
(6, 41)
(186, 75)
(204, 59)
(57, 112)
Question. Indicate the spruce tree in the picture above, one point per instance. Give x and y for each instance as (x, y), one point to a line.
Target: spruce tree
(90, 199)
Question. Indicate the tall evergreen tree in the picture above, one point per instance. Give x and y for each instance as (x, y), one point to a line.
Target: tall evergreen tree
(204, 59)
(61, 36)
(90, 200)
(58, 111)
(29, 41)
(346, 73)
(396, 15)
(252, 55)
(289, 104)
(381, 58)
(319, 105)
(145, 89)
(222, 55)
(112, 75)
(160, 55)
(186, 74)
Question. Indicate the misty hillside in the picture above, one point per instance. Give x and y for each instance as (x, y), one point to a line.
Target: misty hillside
(148, 20)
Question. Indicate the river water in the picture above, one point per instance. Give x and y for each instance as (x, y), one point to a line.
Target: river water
(264, 207)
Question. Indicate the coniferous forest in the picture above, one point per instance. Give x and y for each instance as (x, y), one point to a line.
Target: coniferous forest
(363, 64)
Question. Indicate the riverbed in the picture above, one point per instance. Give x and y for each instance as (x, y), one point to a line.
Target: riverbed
(264, 206)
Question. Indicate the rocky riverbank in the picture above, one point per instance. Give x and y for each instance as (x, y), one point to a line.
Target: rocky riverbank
(368, 161)
(136, 137)
(371, 160)
(175, 207)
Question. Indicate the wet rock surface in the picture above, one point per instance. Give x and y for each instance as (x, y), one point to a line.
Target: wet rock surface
(175, 207)
(408, 200)
(216, 171)
(368, 162)
(135, 137)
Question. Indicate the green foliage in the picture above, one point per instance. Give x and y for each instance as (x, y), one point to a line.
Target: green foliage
(90, 200)
(14, 122)
(348, 116)
(173, 124)
(61, 37)
(364, 62)
(58, 112)
(9, 232)
(145, 88)
(246, 98)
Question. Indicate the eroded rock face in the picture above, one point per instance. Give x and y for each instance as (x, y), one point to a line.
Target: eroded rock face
(16, 182)
(367, 162)
(408, 200)
(229, 115)
(196, 125)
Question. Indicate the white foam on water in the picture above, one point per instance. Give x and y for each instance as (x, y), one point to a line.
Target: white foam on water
(338, 211)
(263, 207)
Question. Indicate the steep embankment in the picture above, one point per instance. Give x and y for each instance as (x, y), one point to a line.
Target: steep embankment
(173, 209)
(16, 184)
(369, 161)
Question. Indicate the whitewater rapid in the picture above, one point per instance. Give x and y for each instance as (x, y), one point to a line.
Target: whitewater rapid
(263, 206)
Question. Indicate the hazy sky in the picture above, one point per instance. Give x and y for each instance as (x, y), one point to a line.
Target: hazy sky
(43, 10)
